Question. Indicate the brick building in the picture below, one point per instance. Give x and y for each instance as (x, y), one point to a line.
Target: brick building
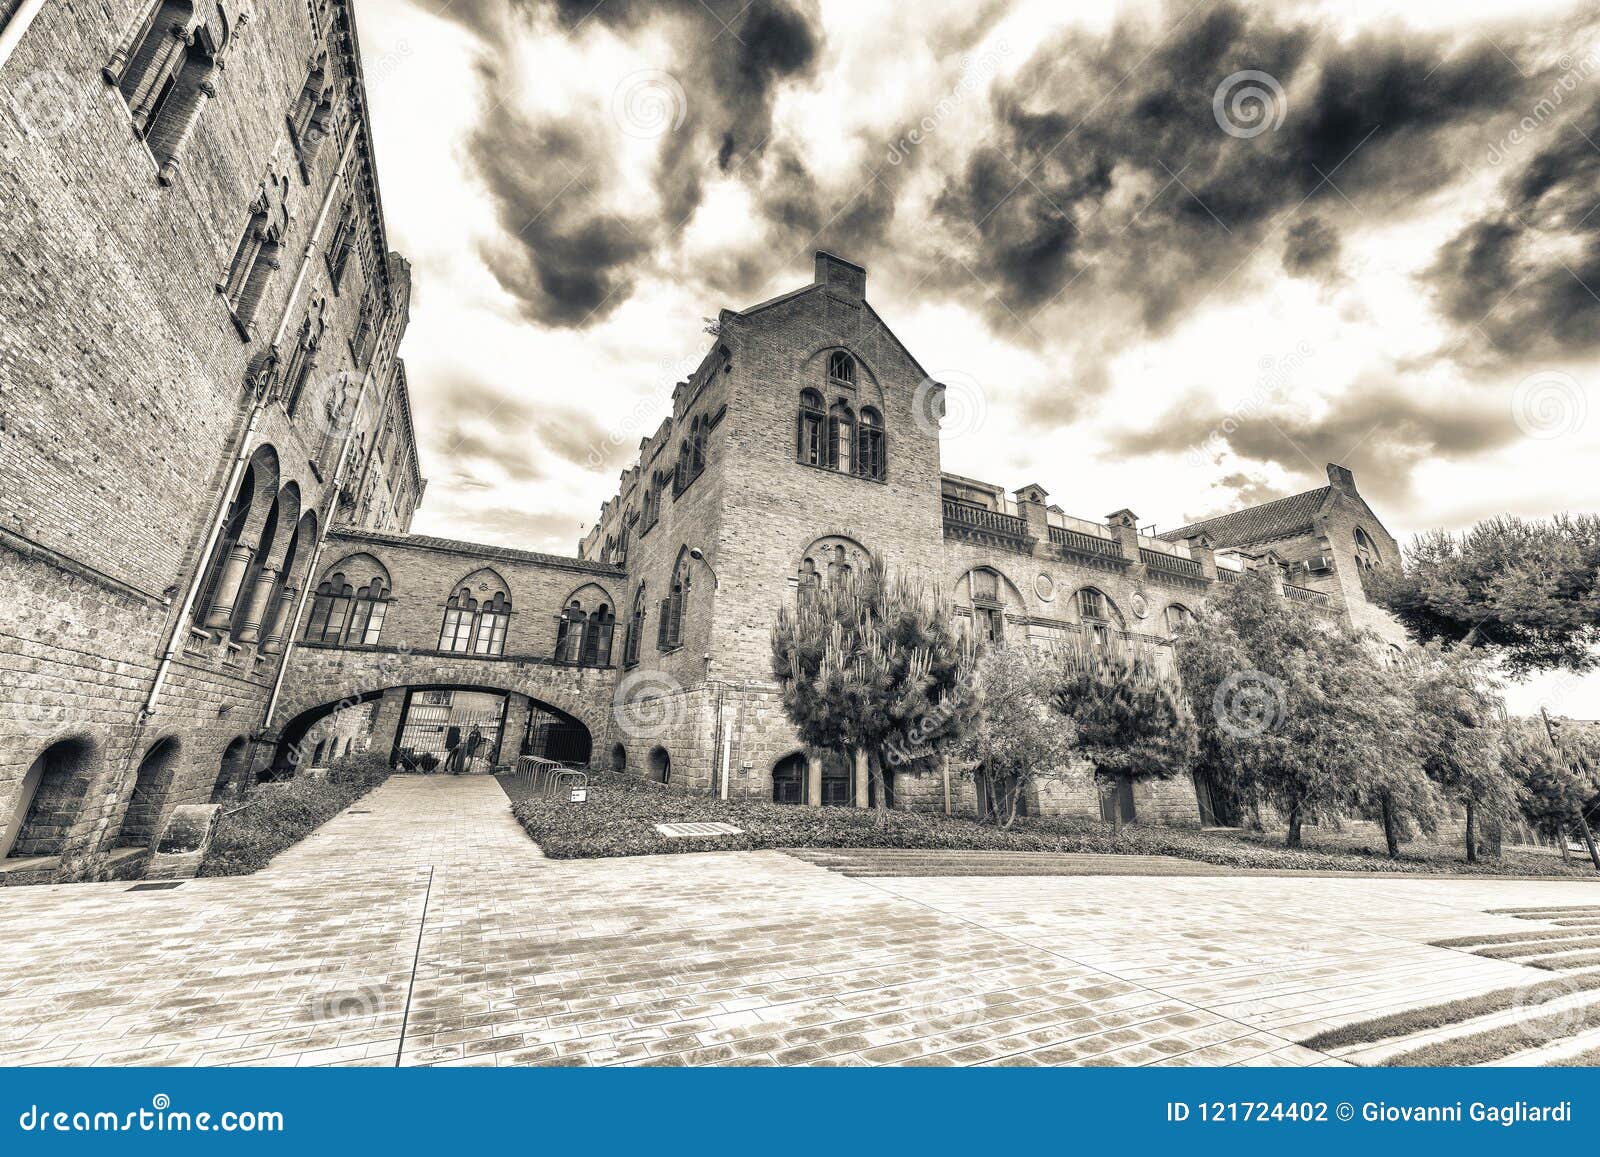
(199, 325)
(208, 472)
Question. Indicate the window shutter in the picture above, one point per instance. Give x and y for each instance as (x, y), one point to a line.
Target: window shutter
(661, 625)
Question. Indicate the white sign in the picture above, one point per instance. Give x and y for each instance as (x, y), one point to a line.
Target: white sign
(580, 795)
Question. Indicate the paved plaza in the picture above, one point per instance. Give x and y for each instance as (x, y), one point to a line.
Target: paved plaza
(423, 927)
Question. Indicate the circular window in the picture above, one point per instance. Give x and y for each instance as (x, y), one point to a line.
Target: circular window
(1141, 608)
(1045, 587)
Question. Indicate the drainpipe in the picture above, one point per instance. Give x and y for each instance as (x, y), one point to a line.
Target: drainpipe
(257, 405)
(292, 634)
(12, 34)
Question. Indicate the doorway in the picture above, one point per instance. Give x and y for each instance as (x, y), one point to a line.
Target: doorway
(1116, 799)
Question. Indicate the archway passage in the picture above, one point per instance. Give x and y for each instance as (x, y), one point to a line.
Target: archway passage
(143, 817)
(451, 730)
(52, 790)
(557, 736)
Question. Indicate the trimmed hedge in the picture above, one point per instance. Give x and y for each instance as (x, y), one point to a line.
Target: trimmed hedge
(621, 813)
(275, 817)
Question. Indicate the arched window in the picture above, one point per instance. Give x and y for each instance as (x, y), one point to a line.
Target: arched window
(841, 436)
(493, 620)
(303, 361)
(342, 244)
(838, 567)
(988, 614)
(569, 633)
(630, 649)
(257, 255)
(597, 637)
(330, 610)
(460, 610)
(789, 779)
(1098, 616)
(1179, 619)
(811, 448)
(167, 71)
(669, 630)
(841, 369)
(870, 458)
(648, 509)
(697, 443)
(311, 118)
(810, 580)
(1367, 556)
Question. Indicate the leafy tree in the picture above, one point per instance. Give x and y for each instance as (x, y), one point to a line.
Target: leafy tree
(1524, 590)
(1015, 737)
(1131, 719)
(870, 662)
(1299, 711)
(1553, 790)
(1459, 736)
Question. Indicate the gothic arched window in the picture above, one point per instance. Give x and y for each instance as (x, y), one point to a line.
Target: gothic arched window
(330, 610)
(1179, 619)
(493, 621)
(630, 648)
(841, 369)
(459, 611)
(1366, 551)
(569, 633)
(597, 637)
(870, 458)
(810, 448)
(669, 631)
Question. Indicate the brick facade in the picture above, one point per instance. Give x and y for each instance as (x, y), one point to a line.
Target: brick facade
(199, 317)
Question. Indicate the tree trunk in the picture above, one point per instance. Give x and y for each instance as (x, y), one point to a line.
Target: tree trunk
(1390, 835)
(1561, 842)
(880, 804)
(1292, 840)
(1472, 833)
(1588, 840)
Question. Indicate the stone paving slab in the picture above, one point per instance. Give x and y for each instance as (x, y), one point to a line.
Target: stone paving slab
(431, 931)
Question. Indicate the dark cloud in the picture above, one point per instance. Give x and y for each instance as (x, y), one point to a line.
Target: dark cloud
(1310, 248)
(566, 258)
(1524, 279)
(564, 250)
(1122, 176)
(1380, 427)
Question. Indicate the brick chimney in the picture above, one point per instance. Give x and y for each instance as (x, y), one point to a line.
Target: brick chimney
(840, 275)
(1341, 479)
(1124, 525)
(1030, 504)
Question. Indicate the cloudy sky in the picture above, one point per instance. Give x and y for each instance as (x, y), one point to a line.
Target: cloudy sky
(1167, 256)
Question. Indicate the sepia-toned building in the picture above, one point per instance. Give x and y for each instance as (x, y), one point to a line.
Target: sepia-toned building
(199, 326)
(208, 472)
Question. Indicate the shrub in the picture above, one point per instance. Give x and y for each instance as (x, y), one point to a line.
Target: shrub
(274, 817)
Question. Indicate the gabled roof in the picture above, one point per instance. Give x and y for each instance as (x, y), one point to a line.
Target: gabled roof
(1270, 520)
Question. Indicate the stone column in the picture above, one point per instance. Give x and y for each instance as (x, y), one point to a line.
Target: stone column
(253, 607)
(228, 584)
(518, 708)
(813, 779)
(204, 91)
(142, 98)
(861, 778)
(1030, 505)
(386, 727)
(278, 621)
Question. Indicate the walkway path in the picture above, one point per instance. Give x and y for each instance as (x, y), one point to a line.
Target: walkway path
(423, 927)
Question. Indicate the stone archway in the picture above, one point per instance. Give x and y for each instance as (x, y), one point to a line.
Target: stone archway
(50, 795)
(142, 819)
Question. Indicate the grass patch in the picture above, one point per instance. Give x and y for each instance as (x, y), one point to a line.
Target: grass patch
(1490, 1045)
(1452, 1012)
(1510, 938)
(1587, 1059)
(1545, 913)
(1562, 963)
(274, 817)
(621, 813)
(1531, 947)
